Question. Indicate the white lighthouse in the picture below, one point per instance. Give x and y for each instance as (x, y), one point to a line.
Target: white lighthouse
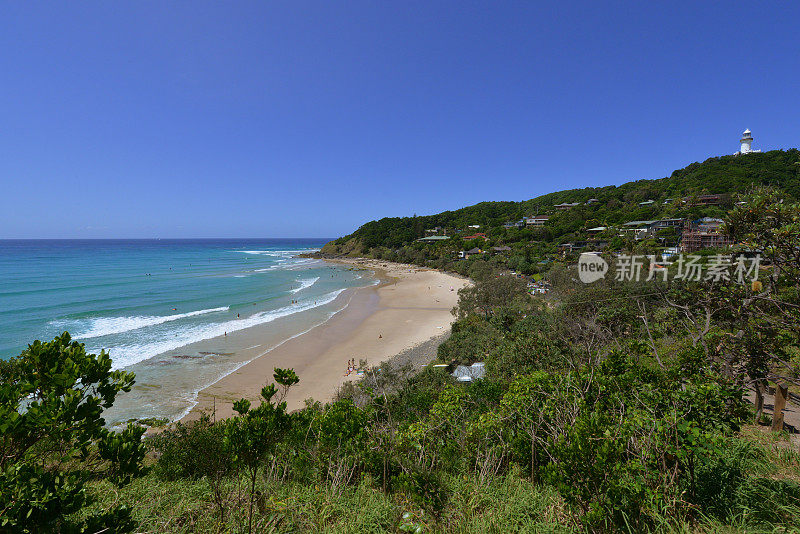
(746, 140)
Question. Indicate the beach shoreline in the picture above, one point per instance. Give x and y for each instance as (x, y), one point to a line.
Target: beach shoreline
(409, 306)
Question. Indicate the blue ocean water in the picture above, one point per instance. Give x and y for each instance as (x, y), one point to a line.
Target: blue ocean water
(142, 299)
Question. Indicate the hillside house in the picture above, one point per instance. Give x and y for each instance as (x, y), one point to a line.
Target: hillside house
(704, 200)
(510, 225)
(537, 221)
(433, 238)
(667, 223)
(636, 229)
(669, 252)
(466, 254)
(538, 287)
(709, 200)
(710, 224)
(703, 233)
(566, 206)
(570, 247)
(643, 229)
(479, 235)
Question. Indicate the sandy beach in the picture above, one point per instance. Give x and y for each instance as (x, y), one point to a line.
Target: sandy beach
(409, 306)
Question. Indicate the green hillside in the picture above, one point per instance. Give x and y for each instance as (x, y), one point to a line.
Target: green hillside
(726, 175)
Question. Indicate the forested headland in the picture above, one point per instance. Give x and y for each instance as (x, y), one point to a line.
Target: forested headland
(677, 196)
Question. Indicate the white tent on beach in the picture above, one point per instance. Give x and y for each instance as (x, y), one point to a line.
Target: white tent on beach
(464, 373)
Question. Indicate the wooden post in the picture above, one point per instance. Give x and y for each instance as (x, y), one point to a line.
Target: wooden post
(781, 394)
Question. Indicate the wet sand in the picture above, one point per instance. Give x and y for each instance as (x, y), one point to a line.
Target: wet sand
(410, 306)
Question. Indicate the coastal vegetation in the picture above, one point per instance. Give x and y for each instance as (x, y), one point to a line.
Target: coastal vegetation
(613, 406)
(53, 442)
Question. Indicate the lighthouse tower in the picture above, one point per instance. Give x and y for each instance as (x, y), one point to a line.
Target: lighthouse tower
(746, 140)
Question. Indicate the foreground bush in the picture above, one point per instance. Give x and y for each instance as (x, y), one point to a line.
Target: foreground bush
(54, 441)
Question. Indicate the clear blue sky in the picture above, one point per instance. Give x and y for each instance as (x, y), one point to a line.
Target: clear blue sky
(270, 119)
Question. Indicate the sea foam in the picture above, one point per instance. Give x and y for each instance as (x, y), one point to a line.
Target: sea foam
(278, 253)
(305, 283)
(192, 400)
(124, 355)
(105, 326)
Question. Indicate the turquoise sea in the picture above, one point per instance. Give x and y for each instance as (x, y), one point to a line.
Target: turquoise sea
(172, 311)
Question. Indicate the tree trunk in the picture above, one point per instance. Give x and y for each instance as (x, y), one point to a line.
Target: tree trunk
(781, 394)
(250, 509)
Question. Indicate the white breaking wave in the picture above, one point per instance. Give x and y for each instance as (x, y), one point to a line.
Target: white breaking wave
(296, 264)
(305, 283)
(192, 402)
(105, 326)
(128, 354)
(278, 253)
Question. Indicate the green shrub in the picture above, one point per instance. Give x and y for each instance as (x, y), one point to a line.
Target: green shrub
(425, 488)
(54, 441)
(191, 450)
